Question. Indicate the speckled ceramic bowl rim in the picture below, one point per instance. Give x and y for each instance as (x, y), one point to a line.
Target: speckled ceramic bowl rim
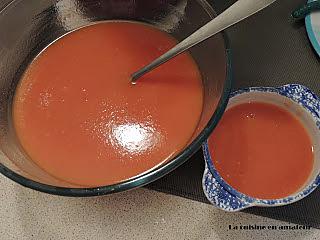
(267, 202)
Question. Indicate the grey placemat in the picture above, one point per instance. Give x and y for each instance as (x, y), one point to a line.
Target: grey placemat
(268, 50)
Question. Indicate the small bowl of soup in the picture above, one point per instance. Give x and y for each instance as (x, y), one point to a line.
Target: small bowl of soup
(71, 122)
(265, 151)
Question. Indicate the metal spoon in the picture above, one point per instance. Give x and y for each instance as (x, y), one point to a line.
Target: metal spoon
(234, 14)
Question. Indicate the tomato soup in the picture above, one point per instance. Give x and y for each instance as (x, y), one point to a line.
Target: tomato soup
(80, 119)
(262, 150)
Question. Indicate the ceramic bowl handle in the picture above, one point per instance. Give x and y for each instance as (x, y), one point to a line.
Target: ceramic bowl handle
(219, 196)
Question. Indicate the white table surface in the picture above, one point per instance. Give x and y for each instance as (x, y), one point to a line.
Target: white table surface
(138, 214)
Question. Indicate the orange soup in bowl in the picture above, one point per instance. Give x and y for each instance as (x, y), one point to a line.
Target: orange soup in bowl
(262, 150)
(80, 119)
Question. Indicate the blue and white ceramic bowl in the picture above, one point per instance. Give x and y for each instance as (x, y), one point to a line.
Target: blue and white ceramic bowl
(299, 101)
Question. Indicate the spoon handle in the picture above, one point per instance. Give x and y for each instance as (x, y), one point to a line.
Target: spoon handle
(234, 14)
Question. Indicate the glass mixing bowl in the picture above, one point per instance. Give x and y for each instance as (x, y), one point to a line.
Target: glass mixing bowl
(28, 26)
